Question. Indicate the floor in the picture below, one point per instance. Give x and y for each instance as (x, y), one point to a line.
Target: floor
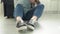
(48, 24)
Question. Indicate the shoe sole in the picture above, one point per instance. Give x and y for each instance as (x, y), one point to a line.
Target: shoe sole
(30, 27)
(22, 28)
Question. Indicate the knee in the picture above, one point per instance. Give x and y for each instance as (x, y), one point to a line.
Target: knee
(18, 5)
(41, 6)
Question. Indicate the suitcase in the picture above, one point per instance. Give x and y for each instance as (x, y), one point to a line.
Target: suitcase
(8, 8)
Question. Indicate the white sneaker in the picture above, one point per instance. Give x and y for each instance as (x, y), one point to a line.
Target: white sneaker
(21, 26)
(30, 25)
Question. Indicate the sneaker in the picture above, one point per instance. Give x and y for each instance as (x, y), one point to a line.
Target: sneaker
(30, 25)
(21, 26)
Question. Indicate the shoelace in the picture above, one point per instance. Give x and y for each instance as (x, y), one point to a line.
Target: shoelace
(31, 22)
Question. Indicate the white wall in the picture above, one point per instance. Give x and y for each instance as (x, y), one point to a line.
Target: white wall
(52, 6)
(58, 5)
(0, 0)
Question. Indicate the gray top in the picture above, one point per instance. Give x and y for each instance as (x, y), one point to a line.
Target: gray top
(25, 3)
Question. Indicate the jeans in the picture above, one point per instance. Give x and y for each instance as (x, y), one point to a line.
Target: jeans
(36, 11)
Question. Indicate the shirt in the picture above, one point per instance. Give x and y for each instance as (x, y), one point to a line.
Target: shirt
(25, 3)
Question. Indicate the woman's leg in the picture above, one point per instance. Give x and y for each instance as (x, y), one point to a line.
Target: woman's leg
(18, 12)
(33, 15)
(38, 12)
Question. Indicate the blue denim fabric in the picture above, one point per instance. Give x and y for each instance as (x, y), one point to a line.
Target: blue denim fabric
(36, 11)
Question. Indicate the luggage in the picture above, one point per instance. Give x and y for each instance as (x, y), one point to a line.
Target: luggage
(8, 8)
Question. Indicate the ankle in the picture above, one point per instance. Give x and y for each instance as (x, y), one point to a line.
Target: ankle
(19, 19)
(34, 18)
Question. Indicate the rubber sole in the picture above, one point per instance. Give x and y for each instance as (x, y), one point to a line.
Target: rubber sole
(30, 28)
(22, 28)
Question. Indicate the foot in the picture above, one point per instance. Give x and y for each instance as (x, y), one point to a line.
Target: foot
(30, 25)
(21, 26)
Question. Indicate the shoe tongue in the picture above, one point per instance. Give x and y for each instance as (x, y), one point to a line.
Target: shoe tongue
(32, 21)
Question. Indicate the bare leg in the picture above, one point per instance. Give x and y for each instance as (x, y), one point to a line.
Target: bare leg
(19, 19)
(34, 18)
